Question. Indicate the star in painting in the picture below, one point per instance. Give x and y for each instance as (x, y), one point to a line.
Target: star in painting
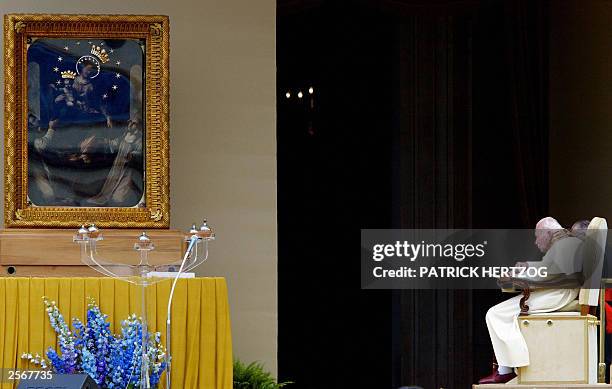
(60, 59)
(66, 48)
(118, 63)
(104, 96)
(58, 82)
(56, 69)
(78, 43)
(90, 42)
(112, 51)
(115, 87)
(117, 75)
(101, 43)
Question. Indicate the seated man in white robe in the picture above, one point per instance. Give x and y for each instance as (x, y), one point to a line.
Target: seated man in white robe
(560, 249)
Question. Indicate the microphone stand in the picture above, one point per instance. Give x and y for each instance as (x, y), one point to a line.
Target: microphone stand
(192, 242)
(204, 234)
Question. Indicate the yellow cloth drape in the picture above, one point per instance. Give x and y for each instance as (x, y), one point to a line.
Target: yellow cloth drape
(201, 335)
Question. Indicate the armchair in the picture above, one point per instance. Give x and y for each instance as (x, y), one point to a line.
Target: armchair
(563, 345)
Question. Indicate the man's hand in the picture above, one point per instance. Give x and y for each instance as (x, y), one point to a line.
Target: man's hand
(522, 265)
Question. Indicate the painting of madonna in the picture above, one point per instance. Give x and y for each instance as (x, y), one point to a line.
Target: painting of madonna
(85, 122)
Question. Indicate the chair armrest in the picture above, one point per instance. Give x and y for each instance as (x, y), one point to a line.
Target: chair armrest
(527, 285)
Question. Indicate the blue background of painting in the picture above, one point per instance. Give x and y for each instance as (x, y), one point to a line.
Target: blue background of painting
(74, 181)
(45, 53)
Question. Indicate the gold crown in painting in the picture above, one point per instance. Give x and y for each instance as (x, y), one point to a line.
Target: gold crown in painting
(100, 53)
(69, 74)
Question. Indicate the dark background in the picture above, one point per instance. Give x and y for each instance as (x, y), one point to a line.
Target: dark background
(425, 114)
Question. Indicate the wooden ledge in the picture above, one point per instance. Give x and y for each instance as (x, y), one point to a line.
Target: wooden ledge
(51, 252)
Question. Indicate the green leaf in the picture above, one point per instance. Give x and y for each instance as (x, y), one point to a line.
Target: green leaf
(254, 376)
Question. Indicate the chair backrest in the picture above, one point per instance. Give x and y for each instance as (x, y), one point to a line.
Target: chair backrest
(594, 250)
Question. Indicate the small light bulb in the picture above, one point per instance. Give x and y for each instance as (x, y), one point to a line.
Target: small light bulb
(311, 90)
(287, 95)
(300, 94)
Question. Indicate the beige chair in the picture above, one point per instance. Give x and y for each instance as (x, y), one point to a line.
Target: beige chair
(563, 345)
(595, 249)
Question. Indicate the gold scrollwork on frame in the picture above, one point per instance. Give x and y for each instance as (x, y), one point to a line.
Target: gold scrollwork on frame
(156, 29)
(19, 27)
(144, 133)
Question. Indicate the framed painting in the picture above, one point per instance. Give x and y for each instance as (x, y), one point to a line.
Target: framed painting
(86, 120)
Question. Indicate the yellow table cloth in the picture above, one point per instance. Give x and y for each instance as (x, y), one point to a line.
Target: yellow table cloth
(201, 334)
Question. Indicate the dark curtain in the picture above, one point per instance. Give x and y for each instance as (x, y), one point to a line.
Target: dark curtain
(473, 134)
(433, 338)
(442, 107)
(526, 30)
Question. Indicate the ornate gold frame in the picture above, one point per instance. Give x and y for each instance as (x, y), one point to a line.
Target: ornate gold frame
(155, 30)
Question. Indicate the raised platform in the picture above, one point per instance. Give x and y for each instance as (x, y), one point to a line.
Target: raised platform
(542, 386)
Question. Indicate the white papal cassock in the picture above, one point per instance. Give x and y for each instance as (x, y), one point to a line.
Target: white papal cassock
(502, 319)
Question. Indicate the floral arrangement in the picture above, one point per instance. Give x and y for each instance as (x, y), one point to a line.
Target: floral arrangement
(113, 361)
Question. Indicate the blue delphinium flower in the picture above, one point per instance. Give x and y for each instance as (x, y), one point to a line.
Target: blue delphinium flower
(67, 362)
(157, 358)
(89, 363)
(78, 330)
(97, 339)
(125, 354)
(113, 361)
